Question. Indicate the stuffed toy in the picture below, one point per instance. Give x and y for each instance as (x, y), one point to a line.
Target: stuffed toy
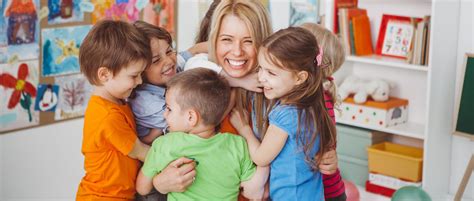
(376, 88)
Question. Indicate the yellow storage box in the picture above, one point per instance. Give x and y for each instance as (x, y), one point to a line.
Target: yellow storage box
(396, 160)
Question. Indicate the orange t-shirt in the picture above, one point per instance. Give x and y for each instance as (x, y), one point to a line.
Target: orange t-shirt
(108, 137)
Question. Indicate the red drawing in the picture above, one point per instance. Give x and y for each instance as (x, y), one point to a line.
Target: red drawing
(20, 85)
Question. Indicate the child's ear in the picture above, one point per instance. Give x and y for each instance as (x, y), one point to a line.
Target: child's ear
(104, 74)
(193, 117)
(301, 77)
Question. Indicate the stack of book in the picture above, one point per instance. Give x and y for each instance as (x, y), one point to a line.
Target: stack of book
(419, 51)
(354, 30)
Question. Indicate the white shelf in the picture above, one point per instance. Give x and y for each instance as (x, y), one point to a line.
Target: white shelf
(387, 61)
(408, 129)
(368, 196)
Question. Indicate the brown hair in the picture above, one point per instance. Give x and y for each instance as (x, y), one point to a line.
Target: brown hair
(153, 32)
(112, 44)
(333, 55)
(294, 49)
(256, 17)
(203, 90)
(205, 28)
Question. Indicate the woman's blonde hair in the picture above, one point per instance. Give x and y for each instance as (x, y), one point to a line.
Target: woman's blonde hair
(333, 55)
(254, 14)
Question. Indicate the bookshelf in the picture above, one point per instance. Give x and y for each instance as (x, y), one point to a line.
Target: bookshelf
(409, 129)
(429, 88)
(386, 61)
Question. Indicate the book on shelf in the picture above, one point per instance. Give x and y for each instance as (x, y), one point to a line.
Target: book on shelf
(420, 48)
(362, 38)
(341, 4)
(346, 16)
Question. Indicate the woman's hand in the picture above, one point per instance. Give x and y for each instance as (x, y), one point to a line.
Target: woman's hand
(328, 164)
(240, 121)
(176, 177)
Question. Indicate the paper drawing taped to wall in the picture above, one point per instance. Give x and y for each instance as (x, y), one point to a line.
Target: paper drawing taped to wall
(18, 84)
(19, 30)
(63, 11)
(61, 49)
(74, 94)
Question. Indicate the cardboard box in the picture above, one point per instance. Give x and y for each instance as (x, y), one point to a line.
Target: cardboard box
(372, 113)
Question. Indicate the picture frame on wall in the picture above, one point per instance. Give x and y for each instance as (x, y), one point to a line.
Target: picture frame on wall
(395, 36)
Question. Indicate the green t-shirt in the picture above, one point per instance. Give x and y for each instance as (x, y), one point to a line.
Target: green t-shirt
(224, 162)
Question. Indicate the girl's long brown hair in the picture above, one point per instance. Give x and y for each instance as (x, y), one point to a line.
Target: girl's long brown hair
(294, 49)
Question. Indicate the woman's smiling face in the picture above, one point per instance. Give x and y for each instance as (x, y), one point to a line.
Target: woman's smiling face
(235, 49)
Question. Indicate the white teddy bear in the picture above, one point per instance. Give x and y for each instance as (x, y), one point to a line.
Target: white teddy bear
(376, 88)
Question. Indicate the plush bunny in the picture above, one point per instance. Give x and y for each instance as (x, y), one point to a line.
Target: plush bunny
(376, 88)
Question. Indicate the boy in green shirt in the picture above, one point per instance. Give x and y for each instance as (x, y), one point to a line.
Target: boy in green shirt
(196, 101)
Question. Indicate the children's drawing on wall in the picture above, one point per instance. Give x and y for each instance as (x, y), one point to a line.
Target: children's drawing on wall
(19, 27)
(18, 83)
(124, 10)
(74, 93)
(61, 49)
(62, 11)
(302, 11)
(47, 98)
(161, 13)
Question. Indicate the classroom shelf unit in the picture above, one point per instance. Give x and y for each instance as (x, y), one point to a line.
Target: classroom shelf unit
(428, 88)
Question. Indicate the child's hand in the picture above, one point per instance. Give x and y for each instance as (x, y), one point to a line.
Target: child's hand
(328, 164)
(240, 121)
(249, 82)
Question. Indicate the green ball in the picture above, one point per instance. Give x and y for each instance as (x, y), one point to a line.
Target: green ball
(410, 193)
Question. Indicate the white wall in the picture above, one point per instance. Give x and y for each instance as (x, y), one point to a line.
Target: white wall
(462, 148)
(42, 163)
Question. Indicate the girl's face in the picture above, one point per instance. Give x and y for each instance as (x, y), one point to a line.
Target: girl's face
(163, 66)
(277, 82)
(235, 49)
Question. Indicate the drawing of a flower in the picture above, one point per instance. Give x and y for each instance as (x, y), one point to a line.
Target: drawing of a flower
(20, 86)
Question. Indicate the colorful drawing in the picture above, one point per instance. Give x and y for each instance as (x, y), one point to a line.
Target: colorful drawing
(62, 11)
(302, 11)
(19, 29)
(47, 97)
(18, 83)
(161, 13)
(61, 49)
(74, 93)
(124, 10)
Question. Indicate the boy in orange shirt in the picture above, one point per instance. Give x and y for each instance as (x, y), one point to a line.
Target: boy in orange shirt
(112, 57)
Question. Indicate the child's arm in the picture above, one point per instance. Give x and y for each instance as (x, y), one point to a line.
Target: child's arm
(255, 187)
(139, 150)
(152, 135)
(249, 82)
(262, 153)
(144, 184)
